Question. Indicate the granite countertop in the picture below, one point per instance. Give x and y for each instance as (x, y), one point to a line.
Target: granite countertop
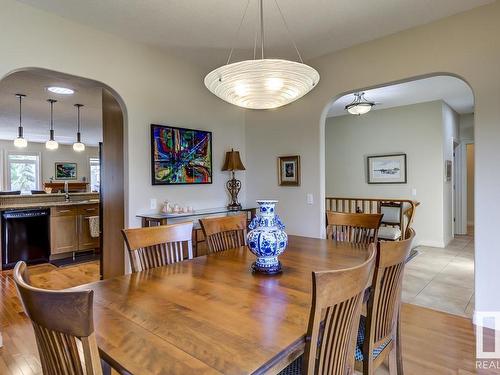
(21, 206)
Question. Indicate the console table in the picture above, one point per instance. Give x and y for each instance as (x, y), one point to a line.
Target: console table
(149, 220)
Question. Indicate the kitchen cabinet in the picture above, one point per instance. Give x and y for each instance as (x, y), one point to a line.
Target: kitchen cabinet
(63, 229)
(85, 240)
(69, 228)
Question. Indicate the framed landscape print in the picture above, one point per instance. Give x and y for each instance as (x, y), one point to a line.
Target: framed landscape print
(289, 170)
(180, 156)
(387, 169)
(65, 171)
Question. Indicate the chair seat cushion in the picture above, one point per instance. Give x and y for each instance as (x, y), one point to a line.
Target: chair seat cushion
(389, 233)
(294, 368)
(358, 353)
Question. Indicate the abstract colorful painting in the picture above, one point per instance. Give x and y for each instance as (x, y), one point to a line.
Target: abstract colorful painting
(180, 156)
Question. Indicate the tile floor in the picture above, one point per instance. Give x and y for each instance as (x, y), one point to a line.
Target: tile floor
(442, 279)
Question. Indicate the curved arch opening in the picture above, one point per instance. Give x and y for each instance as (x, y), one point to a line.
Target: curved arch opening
(99, 168)
(430, 120)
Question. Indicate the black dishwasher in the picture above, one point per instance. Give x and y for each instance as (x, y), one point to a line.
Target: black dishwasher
(25, 236)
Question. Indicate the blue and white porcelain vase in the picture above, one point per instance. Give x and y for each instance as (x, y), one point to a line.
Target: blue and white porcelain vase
(267, 238)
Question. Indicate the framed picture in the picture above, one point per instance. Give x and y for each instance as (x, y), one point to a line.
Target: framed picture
(180, 156)
(387, 169)
(289, 170)
(65, 171)
(448, 169)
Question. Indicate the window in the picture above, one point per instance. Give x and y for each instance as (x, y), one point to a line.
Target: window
(23, 172)
(95, 174)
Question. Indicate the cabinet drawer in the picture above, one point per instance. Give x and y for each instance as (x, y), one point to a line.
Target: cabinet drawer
(88, 210)
(63, 211)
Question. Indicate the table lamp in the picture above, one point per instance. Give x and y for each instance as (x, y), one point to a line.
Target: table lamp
(233, 163)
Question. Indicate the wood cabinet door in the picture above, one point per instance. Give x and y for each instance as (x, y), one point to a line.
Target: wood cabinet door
(85, 240)
(63, 234)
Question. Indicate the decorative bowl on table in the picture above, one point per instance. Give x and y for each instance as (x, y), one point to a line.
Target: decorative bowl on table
(267, 238)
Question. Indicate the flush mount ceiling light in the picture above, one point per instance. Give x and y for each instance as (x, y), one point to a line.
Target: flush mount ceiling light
(51, 144)
(359, 105)
(262, 83)
(60, 90)
(78, 145)
(20, 141)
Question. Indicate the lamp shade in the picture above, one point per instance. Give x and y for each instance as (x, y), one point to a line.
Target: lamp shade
(233, 161)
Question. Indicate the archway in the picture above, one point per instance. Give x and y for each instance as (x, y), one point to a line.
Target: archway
(113, 190)
(385, 131)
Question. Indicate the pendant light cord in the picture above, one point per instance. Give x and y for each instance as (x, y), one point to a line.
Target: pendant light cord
(20, 112)
(261, 5)
(261, 19)
(237, 33)
(288, 31)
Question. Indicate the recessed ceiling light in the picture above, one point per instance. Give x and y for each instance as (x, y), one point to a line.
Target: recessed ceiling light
(60, 90)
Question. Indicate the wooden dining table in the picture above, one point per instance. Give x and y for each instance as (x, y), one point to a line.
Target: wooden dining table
(211, 314)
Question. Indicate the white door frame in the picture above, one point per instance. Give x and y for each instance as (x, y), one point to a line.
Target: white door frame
(460, 180)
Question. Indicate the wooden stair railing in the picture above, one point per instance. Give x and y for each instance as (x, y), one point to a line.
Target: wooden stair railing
(373, 206)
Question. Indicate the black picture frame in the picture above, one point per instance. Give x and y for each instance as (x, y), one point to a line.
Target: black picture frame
(154, 181)
(369, 176)
(74, 167)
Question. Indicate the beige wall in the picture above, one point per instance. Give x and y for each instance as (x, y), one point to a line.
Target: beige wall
(417, 131)
(451, 126)
(466, 45)
(467, 127)
(48, 158)
(155, 88)
(470, 184)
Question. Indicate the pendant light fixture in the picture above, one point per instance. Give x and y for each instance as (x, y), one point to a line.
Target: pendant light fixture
(262, 83)
(78, 145)
(51, 144)
(20, 141)
(359, 106)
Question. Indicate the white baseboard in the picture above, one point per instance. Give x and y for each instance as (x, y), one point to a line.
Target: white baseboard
(439, 244)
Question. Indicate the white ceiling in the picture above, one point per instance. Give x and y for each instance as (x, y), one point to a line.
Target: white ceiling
(455, 92)
(36, 110)
(203, 30)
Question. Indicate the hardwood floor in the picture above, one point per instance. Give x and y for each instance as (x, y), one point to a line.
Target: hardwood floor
(433, 342)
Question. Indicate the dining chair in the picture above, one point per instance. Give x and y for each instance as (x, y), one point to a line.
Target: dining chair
(353, 227)
(379, 331)
(337, 297)
(223, 233)
(158, 246)
(61, 321)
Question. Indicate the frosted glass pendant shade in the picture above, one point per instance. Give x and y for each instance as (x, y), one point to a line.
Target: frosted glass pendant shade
(51, 145)
(78, 146)
(360, 109)
(262, 84)
(20, 142)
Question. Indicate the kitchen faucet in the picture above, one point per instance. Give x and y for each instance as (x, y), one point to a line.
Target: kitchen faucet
(66, 194)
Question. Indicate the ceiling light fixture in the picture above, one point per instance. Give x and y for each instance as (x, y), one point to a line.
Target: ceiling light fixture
(51, 144)
(61, 90)
(359, 106)
(78, 145)
(262, 83)
(20, 141)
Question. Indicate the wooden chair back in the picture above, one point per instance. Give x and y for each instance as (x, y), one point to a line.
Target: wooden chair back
(158, 246)
(223, 233)
(337, 298)
(385, 300)
(353, 227)
(59, 319)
